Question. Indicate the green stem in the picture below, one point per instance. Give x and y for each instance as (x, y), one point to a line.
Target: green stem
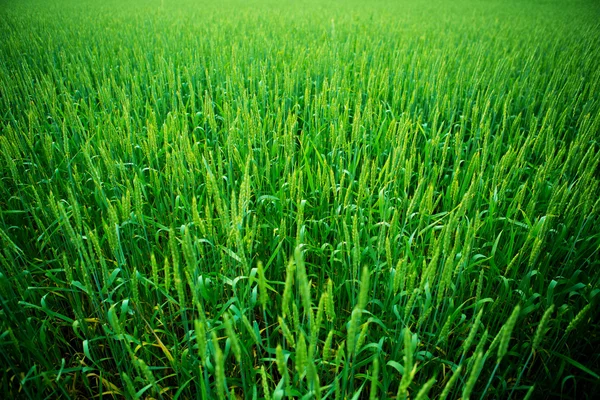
(521, 374)
(490, 381)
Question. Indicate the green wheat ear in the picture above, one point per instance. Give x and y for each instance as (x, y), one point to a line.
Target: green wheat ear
(329, 302)
(287, 291)
(363, 295)
(506, 332)
(262, 285)
(265, 383)
(450, 383)
(219, 367)
(327, 346)
(374, 379)
(539, 333)
(578, 318)
(200, 329)
(286, 332)
(475, 371)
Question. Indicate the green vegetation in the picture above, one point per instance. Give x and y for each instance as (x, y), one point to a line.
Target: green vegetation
(299, 199)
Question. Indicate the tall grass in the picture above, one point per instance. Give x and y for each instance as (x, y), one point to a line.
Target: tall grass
(299, 200)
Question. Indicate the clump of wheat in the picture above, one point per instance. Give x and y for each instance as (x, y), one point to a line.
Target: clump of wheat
(227, 200)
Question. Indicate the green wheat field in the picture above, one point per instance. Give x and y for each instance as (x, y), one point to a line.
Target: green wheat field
(299, 199)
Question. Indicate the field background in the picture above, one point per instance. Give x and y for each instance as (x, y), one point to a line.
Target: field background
(299, 199)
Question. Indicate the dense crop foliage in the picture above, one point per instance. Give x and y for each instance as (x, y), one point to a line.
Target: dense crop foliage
(296, 199)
